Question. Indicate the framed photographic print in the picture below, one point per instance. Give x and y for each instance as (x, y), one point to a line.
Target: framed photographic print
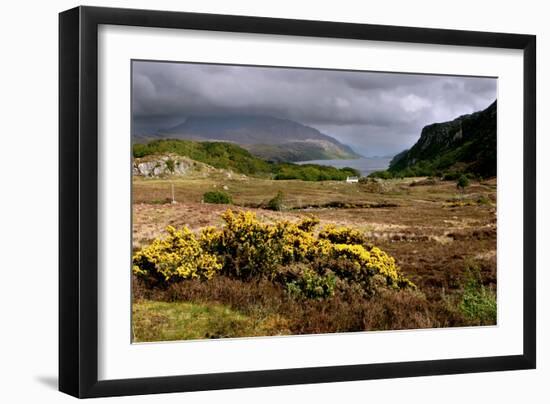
(251, 201)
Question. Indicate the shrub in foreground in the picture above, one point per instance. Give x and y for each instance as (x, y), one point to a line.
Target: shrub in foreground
(176, 257)
(310, 284)
(478, 303)
(284, 252)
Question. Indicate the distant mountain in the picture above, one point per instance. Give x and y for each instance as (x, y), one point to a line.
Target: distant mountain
(311, 149)
(466, 144)
(267, 137)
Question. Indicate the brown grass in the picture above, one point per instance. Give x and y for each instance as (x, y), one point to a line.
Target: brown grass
(431, 229)
(346, 311)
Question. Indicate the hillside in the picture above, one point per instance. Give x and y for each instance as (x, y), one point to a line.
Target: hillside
(267, 137)
(466, 144)
(216, 154)
(300, 151)
(226, 156)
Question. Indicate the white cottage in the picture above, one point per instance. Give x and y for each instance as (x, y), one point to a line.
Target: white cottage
(352, 180)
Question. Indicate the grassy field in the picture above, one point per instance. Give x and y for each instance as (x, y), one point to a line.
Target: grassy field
(442, 239)
(172, 321)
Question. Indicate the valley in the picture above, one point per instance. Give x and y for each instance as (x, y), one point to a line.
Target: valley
(236, 237)
(435, 233)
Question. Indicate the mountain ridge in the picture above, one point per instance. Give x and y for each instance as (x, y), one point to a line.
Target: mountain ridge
(465, 144)
(267, 137)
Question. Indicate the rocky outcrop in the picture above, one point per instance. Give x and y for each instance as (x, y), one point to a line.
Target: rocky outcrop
(469, 140)
(170, 164)
(162, 166)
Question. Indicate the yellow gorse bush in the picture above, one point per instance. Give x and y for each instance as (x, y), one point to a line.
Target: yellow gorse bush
(178, 256)
(342, 235)
(246, 247)
(372, 261)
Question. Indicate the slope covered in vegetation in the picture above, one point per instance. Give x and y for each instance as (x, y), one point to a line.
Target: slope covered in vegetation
(232, 157)
(465, 145)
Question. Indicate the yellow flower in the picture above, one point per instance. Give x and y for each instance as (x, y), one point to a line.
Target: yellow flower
(247, 247)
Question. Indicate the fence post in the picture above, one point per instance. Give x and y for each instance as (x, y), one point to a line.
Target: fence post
(173, 194)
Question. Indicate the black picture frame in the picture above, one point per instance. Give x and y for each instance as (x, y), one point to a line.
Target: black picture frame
(78, 201)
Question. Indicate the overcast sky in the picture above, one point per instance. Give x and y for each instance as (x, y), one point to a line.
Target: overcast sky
(374, 113)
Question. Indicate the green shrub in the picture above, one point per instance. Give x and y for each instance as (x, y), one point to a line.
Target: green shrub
(384, 174)
(462, 182)
(309, 284)
(456, 175)
(170, 165)
(451, 176)
(276, 203)
(312, 172)
(478, 303)
(217, 197)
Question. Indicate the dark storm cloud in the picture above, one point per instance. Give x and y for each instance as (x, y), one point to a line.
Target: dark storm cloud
(375, 113)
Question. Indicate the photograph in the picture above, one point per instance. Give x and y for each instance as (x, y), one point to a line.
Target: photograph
(278, 201)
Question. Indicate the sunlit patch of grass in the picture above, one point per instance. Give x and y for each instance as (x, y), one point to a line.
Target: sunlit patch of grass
(172, 321)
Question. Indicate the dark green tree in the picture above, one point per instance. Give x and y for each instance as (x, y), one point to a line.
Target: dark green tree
(462, 182)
